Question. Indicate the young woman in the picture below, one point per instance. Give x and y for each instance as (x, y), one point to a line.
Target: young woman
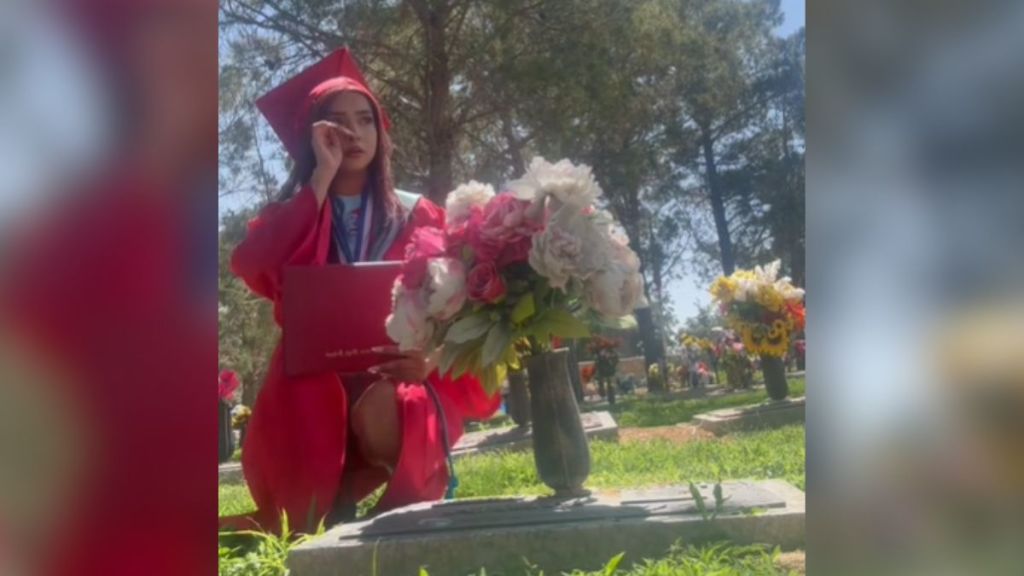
(316, 446)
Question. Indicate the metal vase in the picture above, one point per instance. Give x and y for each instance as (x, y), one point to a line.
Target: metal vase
(774, 371)
(560, 449)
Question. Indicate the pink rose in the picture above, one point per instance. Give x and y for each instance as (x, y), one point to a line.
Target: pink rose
(426, 243)
(470, 233)
(485, 284)
(518, 251)
(505, 219)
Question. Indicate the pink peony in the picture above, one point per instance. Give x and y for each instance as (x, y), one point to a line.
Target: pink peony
(426, 243)
(409, 324)
(485, 284)
(505, 219)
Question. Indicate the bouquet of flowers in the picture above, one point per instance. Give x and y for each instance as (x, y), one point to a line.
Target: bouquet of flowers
(606, 356)
(535, 262)
(587, 373)
(739, 367)
(240, 416)
(227, 385)
(763, 309)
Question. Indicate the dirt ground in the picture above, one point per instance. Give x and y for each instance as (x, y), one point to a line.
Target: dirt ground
(795, 561)
(679, 434)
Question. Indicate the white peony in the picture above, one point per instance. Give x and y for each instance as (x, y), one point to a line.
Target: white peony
(568, 183)
(554, 255)
(446, 287)
(462, 200)
(408, 325)
(616, 290)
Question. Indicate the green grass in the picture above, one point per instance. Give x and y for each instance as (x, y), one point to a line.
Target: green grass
(711, 560)
(654, 411)
(762, 454)
(499, 421)
(234, 499)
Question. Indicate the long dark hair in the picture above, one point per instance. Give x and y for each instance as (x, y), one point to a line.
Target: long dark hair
(385, 201)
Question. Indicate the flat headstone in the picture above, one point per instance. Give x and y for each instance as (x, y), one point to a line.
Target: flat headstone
(231, 473)
(460, 537)
(767, 415)
(596, 425)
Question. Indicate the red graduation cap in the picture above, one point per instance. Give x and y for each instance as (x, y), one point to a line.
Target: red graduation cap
(287, 107)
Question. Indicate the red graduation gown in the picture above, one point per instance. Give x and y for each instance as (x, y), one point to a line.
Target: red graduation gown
(297, 447)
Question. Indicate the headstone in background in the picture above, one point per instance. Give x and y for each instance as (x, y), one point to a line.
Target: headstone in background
(596, 425)
(767, 415)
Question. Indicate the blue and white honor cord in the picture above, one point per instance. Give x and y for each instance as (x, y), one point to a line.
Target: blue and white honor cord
(453, 480)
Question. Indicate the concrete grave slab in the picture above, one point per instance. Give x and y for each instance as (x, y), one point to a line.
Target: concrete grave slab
(767, 415)
(230, 473)
(458, 537)
(596, 425)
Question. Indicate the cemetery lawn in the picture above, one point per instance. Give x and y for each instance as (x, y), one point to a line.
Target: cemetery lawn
(650, 411)
(757, 455)
(761, 454)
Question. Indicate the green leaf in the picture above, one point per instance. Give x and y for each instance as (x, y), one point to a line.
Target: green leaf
(448, 356)
(622, 323)
(613, 564)
(489, 380)
(468, 362)
(559, 322)
(498, 340)
(468, 328)
(524, 309)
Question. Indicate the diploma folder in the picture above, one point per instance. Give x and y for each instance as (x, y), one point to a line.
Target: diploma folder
(334, 315)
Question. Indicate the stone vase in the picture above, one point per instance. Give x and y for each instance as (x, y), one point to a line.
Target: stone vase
(225, 437)
(560, 449)
(518, 399)
(774, 370)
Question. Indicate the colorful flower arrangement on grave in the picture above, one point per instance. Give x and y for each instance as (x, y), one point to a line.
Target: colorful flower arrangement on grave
(587, 373)
(606, 360)
(764, 310)
(227, 384)
(240, 416)
(536, 262)
(694, 343)
(734, 359)
(654, 379)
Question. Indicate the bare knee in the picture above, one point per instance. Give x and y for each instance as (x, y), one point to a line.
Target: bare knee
(375, 424)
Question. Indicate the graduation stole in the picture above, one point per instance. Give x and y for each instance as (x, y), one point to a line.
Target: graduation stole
(370, 245)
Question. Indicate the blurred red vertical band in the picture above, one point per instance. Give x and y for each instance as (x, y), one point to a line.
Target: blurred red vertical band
(108, 315)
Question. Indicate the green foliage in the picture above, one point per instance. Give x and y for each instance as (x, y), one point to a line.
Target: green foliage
(723, 559)
(764, 454)
(247, 331)
(254, 553)
(648, 412)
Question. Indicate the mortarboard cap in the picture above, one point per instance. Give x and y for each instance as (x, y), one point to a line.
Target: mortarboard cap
(287, 107)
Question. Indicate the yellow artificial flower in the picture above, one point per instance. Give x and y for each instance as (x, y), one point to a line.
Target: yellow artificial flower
(723, 289)
(770, 298)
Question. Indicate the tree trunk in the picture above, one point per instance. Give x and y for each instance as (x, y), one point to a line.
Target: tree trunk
(652, 344)
(717, 203)
(440, 129)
